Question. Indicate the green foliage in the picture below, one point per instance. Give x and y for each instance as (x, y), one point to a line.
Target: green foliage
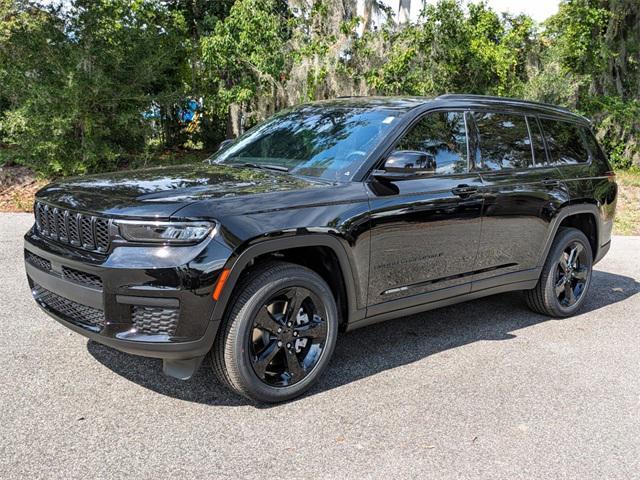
(577, 32)
(451, 50)
(590, 61)
(245, 54)
(77, 80)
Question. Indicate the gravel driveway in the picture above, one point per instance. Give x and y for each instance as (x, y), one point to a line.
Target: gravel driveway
(478, 390)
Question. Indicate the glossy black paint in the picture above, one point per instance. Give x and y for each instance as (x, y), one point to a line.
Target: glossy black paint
(402, 245)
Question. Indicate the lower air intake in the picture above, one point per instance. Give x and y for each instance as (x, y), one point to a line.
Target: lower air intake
(155, 320)
(76, 312)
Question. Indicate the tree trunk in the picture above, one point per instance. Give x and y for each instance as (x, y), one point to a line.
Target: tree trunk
(234, 121)
(367, 14)
(404, 12)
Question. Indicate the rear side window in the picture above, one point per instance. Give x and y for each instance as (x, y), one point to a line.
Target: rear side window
(595, 152)
(504, 141)
(540, 156)
(443, 136)
(565, 142)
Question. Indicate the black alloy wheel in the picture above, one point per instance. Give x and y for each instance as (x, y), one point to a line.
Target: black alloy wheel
(279, 334)
(572, 274)
(288, 337)
(565, 277)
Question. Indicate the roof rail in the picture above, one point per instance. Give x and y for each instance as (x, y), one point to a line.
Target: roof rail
(463, 96)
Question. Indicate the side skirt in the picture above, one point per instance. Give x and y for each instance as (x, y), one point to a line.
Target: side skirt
(412, 310)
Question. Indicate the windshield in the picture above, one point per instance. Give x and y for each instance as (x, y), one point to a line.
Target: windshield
(312, 140)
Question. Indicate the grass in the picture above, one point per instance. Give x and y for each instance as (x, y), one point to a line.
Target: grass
(628, 210)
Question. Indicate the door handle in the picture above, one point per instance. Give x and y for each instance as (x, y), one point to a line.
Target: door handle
(464, 190)
(550, 182)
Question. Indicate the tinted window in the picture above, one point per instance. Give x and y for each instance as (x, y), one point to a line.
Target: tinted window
(503, 141)
(313, 140)
(595, 152)
(565, 142)
(540, 156)
(443, 136)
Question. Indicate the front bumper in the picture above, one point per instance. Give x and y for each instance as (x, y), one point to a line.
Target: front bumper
(151, 301)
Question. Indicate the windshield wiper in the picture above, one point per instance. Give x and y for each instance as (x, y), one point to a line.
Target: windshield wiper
(266, 166)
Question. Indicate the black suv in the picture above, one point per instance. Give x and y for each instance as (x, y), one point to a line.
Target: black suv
(329, 216)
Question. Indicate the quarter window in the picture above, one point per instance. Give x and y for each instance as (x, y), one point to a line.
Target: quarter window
(595, 152)
(503, 141)
(565, 141)
(442, 135)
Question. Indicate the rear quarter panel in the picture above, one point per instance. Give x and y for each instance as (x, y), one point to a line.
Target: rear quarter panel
(588, 183)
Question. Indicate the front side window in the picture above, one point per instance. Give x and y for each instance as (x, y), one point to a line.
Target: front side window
(565, 142)
(442, 136)
(503, 141)
(313, 140)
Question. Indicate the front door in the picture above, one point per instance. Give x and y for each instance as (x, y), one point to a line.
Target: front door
(425, 231)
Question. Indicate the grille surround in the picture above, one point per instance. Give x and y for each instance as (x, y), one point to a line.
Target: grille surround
(80, 230)
(76, 312)
(155, 320)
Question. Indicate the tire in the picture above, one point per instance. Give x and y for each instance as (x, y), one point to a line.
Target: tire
(264, 350)
(562, 287)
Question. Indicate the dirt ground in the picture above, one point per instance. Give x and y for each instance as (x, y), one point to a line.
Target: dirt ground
(18, 185)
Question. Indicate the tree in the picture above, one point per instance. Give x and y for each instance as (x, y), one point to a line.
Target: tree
(590, 61)
(81, 78)
(246, 58)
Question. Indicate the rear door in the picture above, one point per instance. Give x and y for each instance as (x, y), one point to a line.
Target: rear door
(425, 231)
(521, 190)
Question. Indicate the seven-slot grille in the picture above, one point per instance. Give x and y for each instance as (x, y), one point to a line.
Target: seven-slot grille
(66, 226)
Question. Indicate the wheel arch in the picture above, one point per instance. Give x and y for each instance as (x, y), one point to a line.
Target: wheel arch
(293, 249)
(584, 217)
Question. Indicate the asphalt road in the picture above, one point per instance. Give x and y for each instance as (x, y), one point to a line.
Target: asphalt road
(480, 390)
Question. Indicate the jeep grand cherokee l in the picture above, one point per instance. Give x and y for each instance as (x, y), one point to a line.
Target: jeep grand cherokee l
(327, 217)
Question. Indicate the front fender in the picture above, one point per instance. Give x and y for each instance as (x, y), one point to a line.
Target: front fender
(243, 256)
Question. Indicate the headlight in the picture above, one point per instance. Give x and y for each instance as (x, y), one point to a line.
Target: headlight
(164, 232)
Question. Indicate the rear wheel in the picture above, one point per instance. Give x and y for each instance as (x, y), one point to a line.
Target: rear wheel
(279, 334)
(565, 277)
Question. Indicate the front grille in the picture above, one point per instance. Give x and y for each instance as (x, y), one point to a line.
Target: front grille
(80, 230)
(74, 311)
(81, 277)
(155, 320)
(38, 262)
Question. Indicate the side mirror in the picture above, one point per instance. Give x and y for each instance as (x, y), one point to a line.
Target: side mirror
(225, 143)
(406, 164)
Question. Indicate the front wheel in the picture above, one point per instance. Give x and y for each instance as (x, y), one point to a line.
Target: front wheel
(279, 335)
(566, 276)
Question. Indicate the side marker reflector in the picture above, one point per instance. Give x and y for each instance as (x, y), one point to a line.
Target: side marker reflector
(222, 279)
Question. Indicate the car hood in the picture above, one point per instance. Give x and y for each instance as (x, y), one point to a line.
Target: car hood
(159, 192)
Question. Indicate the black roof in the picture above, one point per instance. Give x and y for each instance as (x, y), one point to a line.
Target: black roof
(517, 103)
(383, 103)
(458, 100)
